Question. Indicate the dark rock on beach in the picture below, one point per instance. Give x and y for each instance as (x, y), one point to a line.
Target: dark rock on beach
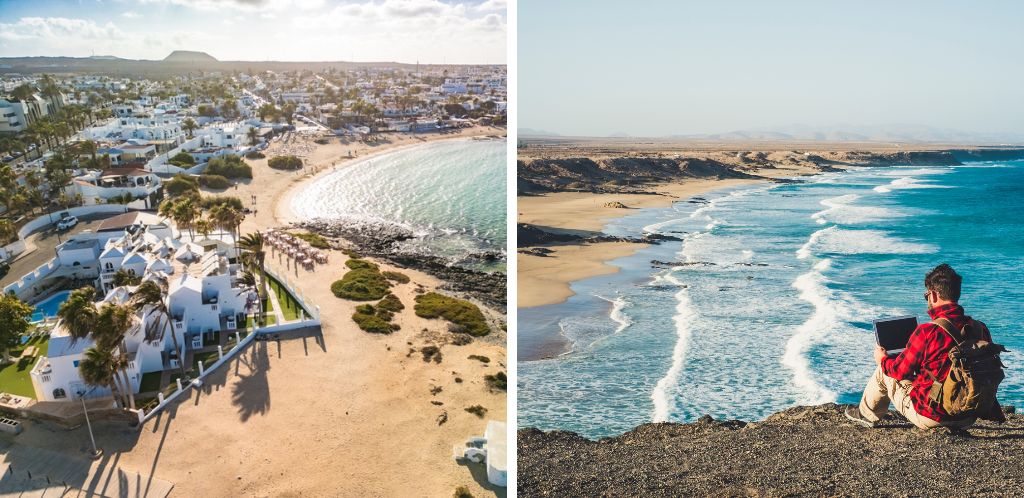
(380, 240)
(802, 451)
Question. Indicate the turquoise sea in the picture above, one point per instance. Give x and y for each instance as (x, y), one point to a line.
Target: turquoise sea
(449, 193)
(775, 304)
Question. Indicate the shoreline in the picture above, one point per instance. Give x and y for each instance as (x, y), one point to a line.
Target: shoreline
(548, 279)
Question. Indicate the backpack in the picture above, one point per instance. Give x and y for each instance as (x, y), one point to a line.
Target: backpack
(974, 374)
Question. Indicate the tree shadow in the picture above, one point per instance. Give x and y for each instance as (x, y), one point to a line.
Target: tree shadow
(251, 393)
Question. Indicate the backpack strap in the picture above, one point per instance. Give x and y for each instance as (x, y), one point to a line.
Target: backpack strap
(948, 327)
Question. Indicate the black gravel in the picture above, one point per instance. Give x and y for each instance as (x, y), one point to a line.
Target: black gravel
(803, 451)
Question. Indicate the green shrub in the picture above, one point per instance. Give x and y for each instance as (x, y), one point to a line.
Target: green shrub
(352, 254)
(226, 200)
(285, 162)
(464, 314)
(230, 166)
(431, 353)
(314, 239)
(481, 359)
(391, 303)
(322, 141)
(477, 410)
(214, 181)
(182, 160)
(374, 320)
(255, 154)
(180, 184)
(462, 492)
(395, 276)
(361, 284)
(497, 382)
(361, 264)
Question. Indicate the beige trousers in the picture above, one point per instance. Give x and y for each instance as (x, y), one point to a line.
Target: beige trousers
(882, 389)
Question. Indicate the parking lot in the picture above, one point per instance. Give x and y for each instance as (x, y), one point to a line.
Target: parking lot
(46, 242)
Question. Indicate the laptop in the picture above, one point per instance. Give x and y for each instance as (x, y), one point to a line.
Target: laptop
(893, 334)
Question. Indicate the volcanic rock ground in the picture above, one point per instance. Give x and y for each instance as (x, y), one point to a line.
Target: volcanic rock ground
(803, 451)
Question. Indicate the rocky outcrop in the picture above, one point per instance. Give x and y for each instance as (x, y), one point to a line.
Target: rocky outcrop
(802, 451)
(531, 235)
(616, 174)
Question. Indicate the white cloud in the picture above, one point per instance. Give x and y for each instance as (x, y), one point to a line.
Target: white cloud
(59, 28)
(130, 15)
(493, 5)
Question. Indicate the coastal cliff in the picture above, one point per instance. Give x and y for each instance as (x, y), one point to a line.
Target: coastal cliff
(620, 172)
(802, 451)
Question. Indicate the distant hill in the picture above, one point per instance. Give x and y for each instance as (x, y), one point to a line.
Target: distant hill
(530, 132)
(105, 58)
(189, 56)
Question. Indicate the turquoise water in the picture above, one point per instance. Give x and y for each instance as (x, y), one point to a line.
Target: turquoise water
(776, 306)
(451, 194)
(48, 307)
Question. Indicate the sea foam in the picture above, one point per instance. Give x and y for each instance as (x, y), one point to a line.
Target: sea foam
(686, 314)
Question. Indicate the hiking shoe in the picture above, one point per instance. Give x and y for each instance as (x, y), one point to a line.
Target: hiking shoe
(852, 412)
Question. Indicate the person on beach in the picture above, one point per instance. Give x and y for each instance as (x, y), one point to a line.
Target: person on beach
(907, 380)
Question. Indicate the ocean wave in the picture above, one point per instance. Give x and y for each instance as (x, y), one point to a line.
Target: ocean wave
(907, 183)
(664, 390)
(841, 210)
(835, 240)
(616, 314)
(827, 315)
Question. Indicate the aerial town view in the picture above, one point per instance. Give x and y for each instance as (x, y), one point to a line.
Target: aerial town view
(253, 260)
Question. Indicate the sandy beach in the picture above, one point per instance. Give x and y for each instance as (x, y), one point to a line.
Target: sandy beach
(546, 279)
(347, 413)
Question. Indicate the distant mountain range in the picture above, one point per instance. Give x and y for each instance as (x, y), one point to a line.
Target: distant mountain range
(837, 133)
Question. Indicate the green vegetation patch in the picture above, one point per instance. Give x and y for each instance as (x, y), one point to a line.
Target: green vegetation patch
(431, 353)
(465, 315)
(374, 319)
(255, 154)
(316, 240)
(497, 382)
(181, 184)
(391, 303)
(481, 359)
(285, 162)
(361, 284)
(183, 160)
(462, 492)
(214, 181)
(229, 166)
(361, 264)
(395, 276)
(289, 305)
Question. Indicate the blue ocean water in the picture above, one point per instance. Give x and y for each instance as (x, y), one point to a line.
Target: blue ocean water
(774, 308)
(450, 193)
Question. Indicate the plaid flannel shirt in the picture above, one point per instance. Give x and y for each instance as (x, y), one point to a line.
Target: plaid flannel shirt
(927, 352)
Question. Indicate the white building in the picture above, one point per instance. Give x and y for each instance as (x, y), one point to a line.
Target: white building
(204, 296)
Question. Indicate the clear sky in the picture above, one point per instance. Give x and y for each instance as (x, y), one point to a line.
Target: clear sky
(656, 68)
(428, 31)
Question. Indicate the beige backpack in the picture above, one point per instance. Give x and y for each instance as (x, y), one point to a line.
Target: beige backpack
(975, 372)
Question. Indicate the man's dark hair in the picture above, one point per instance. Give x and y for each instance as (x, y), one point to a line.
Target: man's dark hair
(944, 280)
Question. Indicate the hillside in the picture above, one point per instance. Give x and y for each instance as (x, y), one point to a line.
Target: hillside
(189, 56)
(803, 451)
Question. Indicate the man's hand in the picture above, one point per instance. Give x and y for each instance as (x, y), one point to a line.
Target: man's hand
(879, 355)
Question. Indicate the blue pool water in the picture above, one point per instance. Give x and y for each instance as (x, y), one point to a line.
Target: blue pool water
(776, 306)
(49, 306)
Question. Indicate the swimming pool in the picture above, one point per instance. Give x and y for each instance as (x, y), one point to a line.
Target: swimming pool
(49, 306)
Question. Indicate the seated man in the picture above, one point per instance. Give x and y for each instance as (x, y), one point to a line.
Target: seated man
(905, 380)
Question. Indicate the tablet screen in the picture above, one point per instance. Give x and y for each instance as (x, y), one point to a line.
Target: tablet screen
(895, 333)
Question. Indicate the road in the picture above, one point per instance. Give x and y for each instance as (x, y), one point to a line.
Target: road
(46, 242)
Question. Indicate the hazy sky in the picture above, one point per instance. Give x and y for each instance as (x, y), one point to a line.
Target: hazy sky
(650, 68)
(430, 31)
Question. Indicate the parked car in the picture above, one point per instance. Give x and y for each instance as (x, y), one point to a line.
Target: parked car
(8, 158)
(66, 223)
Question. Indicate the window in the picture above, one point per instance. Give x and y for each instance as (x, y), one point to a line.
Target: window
(108, 265)
(59, 393)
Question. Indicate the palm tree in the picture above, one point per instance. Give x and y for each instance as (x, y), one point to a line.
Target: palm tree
(150, 294)
(204, 227)
(79, 317)
(113, 321)
(254, 256)
(189, 125)
(123, 278)
(227, 217)
(99, 368)
(254, 136)
(185, 213)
